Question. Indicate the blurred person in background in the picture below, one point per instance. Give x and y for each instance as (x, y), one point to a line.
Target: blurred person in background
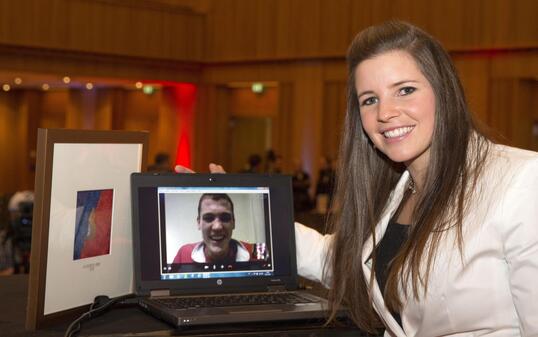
(161, 163)
(273, 162)
(6, 244)
(253, 164)
(301, 185)
(325, 185)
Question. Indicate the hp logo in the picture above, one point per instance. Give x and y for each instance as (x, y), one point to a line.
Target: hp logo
(219, 282)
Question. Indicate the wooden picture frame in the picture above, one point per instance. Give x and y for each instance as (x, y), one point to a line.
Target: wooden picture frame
(72, 164)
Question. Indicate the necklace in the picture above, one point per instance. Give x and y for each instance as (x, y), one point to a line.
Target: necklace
(411, 186)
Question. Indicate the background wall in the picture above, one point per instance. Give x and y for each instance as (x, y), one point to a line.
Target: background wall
(301, 45)
(147, 29)
(296, 47)
(241, 30)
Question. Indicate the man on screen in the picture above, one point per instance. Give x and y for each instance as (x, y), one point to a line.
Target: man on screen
(216, 221)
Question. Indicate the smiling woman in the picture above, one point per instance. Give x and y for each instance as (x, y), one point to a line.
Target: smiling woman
(433, 217)
(397, 108)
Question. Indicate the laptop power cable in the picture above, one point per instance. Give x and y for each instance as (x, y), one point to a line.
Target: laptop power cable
(100, 304)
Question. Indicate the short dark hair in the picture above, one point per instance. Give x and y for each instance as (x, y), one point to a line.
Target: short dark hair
(216, 197)
(254, 160)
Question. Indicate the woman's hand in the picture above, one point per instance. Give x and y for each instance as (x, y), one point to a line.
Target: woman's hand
(213, 168)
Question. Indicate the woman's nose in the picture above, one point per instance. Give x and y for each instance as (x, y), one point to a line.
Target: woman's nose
(387, 110)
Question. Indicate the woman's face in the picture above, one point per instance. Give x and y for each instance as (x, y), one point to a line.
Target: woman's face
(397, 107)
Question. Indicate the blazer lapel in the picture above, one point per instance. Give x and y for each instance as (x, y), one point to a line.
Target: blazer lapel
(378, 302)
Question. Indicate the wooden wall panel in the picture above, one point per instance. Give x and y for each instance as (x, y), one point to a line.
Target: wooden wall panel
(23, 111)
(283, 125)
(298, 44)
(297, 29)
(77, 64)
(211, 128)
(138, 29)
(510, 113)
(240, 30)
(474, 73)
(80, 108)
(169, 125)
(334, 110)
(29, 104)
(312, 97)
(33, 23)
(334, 34)
(307, 116)
(247, 136)
(9, 140)
(202, 151)
(143, 114)
(305, 27)
(103, 114)
(16, 142)
(282, 30)
(361, 17)
(53, 112)
(515, 64)
(509, 24)
(522, 114)
(234, 28)
(265, 24)
(245, 103)
(300, 99)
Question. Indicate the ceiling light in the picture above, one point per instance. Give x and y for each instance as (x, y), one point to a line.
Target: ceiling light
(257, 88)
(17, 80)
(6, 87)
(45, 86)
(66, 79)
(138, 85)
(148, 89)
(89, 86)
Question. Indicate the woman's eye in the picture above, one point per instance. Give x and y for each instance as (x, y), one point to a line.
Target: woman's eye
(369, 101)
(406, 91)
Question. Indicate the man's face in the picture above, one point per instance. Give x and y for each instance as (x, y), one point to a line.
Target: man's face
(216, 221)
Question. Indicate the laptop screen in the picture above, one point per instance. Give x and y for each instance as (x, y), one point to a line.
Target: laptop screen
(215, 232)
(205, 232)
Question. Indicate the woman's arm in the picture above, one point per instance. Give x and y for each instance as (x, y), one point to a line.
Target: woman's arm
(312, 252)
(213, 168)
(520, 238)
(311, 247)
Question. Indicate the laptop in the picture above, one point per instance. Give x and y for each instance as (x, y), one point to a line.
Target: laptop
(217, 248)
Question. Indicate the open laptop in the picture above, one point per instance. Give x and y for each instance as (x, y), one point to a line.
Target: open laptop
(217, 248)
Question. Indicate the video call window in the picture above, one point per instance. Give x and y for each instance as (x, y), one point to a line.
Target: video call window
(208, 232)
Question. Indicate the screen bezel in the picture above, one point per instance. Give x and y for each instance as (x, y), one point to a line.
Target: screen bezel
(282, 221)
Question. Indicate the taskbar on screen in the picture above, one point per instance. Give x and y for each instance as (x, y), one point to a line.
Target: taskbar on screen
(186, 276)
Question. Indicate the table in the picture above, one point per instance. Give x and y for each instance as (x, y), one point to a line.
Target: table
(131, 321)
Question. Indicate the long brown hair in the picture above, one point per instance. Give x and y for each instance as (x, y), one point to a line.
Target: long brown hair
(367, 177)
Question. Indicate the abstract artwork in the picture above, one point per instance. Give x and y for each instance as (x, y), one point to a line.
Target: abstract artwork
(93, 223)
(81, 221)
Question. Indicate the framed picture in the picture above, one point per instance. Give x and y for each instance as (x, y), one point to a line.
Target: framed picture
(81, 234)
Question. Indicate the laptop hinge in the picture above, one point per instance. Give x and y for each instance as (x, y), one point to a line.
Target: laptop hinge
(276, 289)
(159, 293)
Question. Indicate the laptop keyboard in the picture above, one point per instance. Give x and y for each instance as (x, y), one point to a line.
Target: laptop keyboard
(233, 300)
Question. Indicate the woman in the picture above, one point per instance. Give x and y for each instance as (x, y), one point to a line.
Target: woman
(437, 227)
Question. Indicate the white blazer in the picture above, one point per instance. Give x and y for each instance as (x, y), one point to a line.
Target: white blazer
(492, 290)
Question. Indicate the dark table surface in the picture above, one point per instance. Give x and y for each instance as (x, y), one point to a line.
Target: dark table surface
(130, 321)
